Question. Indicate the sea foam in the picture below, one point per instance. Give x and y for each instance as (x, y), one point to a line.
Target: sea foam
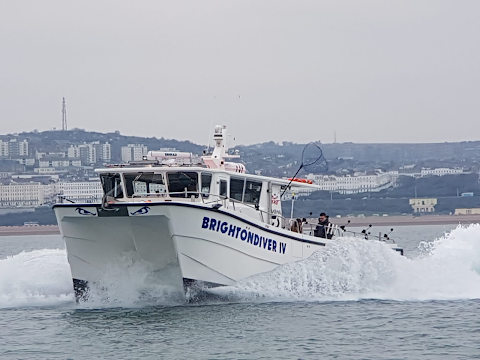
(35, 278)
(447, 268)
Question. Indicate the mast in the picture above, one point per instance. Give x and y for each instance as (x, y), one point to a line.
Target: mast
(64, 116)
(220, 152)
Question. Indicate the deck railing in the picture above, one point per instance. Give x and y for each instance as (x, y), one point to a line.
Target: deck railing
(264, 216)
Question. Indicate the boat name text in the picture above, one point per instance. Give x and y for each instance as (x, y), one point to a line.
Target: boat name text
(244, 235)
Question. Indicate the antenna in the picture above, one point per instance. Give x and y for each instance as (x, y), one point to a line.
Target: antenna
(64, 116)
(335, 137)
(210, 128)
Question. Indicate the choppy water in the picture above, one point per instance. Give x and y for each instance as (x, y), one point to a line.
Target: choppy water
(355, 300)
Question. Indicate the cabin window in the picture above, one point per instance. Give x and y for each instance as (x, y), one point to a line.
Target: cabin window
(112, 185)
(252, 192)
(144, 184)
(236, 188)
(206, 184)
(183, 184)
(223, 188)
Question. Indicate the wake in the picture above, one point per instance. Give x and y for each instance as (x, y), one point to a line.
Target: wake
(447, 268)
(36, 278)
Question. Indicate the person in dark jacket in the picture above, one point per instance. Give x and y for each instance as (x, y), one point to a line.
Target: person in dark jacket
(320, 230)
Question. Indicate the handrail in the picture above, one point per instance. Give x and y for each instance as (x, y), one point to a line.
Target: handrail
(368, 236)
(62, 198)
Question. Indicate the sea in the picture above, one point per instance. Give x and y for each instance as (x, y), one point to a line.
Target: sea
(357, 299)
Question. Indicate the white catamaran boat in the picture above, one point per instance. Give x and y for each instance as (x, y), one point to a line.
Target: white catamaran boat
(211, 222)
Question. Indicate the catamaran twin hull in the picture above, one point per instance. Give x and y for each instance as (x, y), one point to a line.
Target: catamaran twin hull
(203, 242)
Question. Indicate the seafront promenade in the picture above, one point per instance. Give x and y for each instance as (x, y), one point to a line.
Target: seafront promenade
(354, 221)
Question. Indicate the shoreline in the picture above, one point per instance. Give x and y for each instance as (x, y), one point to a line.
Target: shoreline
(407, 220)
(29, 230)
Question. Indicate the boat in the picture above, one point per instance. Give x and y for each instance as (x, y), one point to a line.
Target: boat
(203, 218)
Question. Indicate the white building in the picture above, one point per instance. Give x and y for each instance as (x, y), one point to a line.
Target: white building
(13, 148)
(48, 177)
(133, 152)
(85, 152)
(103, 152)
(41, 155)
(352, 184)
(22, 195)
(48, 170)
(426, 172)
(420, 205)
(59, 163)
(440, 172)
(91, 153)
(3, 148)
(81, 191)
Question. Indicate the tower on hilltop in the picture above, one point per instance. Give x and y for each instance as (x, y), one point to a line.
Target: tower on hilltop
(64, 116)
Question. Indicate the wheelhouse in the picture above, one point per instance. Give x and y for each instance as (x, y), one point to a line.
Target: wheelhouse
(252, 195)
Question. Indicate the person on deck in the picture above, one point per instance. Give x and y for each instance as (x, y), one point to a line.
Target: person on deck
(321, 229)
(294, 226)
(300, 226)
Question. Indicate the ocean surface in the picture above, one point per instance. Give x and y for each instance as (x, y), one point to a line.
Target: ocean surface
(355, 300)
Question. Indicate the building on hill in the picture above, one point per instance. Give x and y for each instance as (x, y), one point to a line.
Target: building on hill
(423, 205)
(59, 162)
(103, 152)
(41, 155)
(91, 153)
(133, 152)
(85, 152)
(13, 148)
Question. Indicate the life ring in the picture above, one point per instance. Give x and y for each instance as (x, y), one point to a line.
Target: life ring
(276, 222)
(303, 181)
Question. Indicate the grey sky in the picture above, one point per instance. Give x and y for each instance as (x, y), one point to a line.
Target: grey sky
(374, 71)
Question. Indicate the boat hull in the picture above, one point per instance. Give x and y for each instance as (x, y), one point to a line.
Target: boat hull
(203, 243)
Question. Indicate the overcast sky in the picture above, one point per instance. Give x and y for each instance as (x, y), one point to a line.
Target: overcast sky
(373, 71)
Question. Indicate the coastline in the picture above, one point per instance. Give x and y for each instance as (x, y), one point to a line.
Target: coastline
(407, 220)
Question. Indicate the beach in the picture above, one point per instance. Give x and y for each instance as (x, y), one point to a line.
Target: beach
(29, 230)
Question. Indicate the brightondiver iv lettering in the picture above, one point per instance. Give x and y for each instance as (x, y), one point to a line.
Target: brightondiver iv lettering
(243, 234)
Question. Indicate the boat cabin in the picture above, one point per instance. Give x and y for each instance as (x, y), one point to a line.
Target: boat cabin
(255, 196)
(176, 176)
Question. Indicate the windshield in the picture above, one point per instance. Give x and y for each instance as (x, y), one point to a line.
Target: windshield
(253, 190)
(145, 184)
(206, 183)
(183, 184)
(112, 185)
